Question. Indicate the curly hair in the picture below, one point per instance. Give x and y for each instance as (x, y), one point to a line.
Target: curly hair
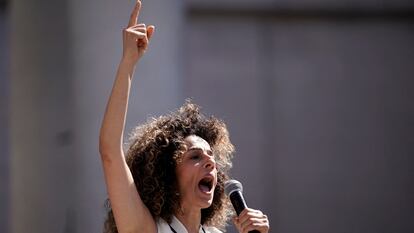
(156, 147)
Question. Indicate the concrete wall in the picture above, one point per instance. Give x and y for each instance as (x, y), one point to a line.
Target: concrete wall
(317, 97)
(63, 60)
(41, 118)
(4, 120)
(320, 110)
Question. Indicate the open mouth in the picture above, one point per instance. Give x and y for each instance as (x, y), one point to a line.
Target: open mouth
(206, 184)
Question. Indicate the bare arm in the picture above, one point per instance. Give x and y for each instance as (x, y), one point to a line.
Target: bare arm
(131, 214)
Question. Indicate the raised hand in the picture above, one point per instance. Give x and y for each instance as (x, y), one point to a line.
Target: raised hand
(129, 210)
(136, 37)
(250, 219)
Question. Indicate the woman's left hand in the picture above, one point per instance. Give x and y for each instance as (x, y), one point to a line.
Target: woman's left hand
(250, 219)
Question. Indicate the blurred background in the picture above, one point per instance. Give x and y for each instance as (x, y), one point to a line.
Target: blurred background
(318, 97)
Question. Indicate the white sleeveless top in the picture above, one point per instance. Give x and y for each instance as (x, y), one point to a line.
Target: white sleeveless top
(163, 227)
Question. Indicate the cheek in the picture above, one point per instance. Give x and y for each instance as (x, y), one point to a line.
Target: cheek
(186, 177)
(183, 177)
(185, 186)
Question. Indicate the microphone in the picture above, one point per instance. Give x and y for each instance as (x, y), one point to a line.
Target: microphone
(234, 190)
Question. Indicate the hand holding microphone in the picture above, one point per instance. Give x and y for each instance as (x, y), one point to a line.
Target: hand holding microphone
(248, 220)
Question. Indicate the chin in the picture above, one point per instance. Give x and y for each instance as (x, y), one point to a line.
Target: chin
(207, 202)
(206, 205)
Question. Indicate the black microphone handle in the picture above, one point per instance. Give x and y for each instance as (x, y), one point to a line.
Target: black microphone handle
(239, 204)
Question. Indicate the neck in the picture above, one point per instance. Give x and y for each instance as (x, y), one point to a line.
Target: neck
(190, 218)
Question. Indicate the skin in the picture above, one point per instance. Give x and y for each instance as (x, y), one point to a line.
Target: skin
(250, 219)
(196, 163)
(131, 214)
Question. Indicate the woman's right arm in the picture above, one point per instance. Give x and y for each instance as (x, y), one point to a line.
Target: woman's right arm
(131, 214)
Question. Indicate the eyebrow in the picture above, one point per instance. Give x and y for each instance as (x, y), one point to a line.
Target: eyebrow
(209, 152)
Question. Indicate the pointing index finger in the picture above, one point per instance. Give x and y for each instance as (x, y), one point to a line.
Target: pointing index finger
(134, 15)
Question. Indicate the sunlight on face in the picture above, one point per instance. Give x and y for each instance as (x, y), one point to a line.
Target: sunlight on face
(196, 174)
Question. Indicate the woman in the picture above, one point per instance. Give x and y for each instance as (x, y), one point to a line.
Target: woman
(171, 179)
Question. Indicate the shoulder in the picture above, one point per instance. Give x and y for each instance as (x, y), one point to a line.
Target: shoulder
(212, 229)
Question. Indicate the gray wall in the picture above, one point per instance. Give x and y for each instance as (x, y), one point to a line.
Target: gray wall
(64, 57)
(317, 97)
(4, 121)
(42, 161)
(319, 105)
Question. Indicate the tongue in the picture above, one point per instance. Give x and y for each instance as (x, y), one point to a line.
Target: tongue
(203, 187)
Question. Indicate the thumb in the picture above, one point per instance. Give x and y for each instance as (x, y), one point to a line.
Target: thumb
(150, 31)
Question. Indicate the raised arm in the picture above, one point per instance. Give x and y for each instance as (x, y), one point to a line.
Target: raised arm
(131, 214)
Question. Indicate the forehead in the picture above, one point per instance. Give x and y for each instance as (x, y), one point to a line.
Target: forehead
(194, 141)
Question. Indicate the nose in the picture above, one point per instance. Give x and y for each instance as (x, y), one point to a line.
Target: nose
(210, 163)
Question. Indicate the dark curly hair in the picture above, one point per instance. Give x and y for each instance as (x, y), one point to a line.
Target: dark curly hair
(154, 150)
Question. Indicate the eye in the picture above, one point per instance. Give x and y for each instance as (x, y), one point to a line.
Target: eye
(195, 157)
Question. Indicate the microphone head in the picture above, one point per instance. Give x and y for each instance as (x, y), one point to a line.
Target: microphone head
(231, 186)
